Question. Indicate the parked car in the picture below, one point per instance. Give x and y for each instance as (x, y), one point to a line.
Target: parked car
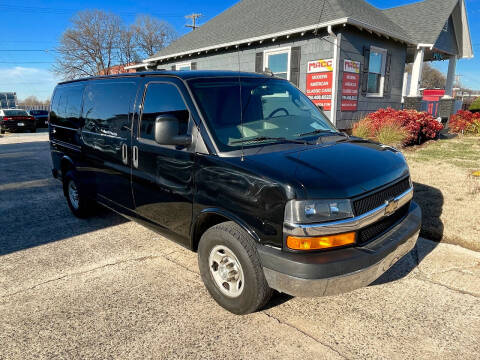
(16, 120)
(242, 168)
(41, 117)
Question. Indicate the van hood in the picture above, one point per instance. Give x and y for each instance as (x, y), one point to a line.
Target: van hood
(336, 170)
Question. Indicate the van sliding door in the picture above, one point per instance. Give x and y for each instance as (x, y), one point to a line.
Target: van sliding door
(107, 112)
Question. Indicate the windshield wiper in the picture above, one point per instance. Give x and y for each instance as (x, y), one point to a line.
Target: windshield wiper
(321, 131)
(268, 138)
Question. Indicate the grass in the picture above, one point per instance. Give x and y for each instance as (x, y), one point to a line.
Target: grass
(447, 190)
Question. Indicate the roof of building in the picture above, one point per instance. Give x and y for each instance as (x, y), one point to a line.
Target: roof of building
(423, 21)
(256, 20)
(249, 20)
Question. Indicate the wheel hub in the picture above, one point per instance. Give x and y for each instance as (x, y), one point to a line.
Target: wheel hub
(226, 271)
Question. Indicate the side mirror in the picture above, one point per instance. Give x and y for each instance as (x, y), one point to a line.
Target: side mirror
(166, 131)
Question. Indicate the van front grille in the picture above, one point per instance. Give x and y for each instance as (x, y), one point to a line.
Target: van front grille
(375, 230)
(370, 202)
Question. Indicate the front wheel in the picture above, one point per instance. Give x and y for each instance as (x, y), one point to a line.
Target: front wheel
(231, 270)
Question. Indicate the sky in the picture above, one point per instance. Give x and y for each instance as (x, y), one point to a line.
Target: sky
(38, 25)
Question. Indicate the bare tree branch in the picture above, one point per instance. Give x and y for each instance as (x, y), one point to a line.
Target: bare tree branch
(98, 40)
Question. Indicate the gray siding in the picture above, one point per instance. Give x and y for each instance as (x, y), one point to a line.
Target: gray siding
(447, 41)
(312, 48)
(352, 43)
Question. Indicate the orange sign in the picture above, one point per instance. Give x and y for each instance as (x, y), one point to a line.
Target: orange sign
(319, 82)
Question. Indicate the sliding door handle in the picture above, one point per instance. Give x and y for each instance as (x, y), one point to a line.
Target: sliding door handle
(135, 156)
(125, 154)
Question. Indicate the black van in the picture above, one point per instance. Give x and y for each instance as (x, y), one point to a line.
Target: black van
(242, 168)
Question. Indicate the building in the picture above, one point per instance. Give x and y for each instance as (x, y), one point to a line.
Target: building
(8, 100)
(117, 69)
(346, 55)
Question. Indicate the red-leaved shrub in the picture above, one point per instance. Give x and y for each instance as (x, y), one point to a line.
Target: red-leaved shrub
(418, 126)
(465, 122)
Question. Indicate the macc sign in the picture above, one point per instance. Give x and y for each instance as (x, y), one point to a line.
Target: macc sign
(319, 82)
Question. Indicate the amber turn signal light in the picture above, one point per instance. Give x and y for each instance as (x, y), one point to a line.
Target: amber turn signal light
(322, 242)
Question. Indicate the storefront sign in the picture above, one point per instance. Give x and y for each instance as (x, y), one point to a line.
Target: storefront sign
(319, 82)
(350, 84)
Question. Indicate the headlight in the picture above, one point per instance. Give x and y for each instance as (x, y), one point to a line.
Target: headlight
(316, 211)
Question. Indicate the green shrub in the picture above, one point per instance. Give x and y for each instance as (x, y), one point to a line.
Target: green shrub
(475, 105)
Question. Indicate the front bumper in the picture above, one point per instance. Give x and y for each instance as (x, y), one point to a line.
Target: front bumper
(343, 270)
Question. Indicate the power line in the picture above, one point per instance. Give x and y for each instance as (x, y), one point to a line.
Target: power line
(50, 10)
(27, 62)
(194, 18)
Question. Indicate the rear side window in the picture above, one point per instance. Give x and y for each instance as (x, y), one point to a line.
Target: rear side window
(15, 113)
(108, 105)
(67, 105)
(162, 99)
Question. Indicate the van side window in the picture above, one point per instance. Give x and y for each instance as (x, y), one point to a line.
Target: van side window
(160, 99)
(107, 107)
(67, 105)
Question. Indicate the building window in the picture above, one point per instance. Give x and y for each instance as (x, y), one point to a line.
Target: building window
(278, 61)
(183, 66)
(376, 71)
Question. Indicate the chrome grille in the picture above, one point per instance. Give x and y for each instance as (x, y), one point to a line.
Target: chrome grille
(370, 202)
(375, 230)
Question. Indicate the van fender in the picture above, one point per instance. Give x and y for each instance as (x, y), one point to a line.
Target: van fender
(225, 214)
(66, 163)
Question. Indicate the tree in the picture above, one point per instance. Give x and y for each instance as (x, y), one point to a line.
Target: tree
(89, 47)
(98, 40)
(431, 77)
(31, 101)
(152, 34)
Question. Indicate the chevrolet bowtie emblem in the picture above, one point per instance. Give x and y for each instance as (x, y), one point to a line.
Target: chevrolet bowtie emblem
(392, 206)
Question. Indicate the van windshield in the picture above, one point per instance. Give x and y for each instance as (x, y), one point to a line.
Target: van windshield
(257, 109)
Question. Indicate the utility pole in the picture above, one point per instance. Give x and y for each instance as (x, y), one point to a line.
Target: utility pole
(194, 18)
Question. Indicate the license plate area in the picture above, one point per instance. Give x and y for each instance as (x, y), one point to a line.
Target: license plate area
(20, 124)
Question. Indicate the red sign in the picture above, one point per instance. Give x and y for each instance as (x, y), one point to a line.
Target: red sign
(350, 83)
(319, 83)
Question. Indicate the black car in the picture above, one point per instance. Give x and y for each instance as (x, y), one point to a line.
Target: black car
(16, 120)
(41, 117)
(242, 168)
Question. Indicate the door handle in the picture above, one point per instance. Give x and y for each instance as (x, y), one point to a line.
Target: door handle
(135, 156)
(124, 154)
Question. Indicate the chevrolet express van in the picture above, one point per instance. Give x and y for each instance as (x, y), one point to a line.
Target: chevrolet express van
(243, 169)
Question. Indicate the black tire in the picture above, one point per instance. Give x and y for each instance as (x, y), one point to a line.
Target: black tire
(33, 130)
(84, 206)
(256, 292)
(2, 132)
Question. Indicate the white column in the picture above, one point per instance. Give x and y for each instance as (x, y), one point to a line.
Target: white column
(452, 65)
(417, 72)
(406, 85)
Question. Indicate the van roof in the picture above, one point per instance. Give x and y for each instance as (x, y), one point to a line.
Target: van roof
(189, 74)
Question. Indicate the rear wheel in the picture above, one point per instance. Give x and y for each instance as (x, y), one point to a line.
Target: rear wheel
(231, 270)
(2, 131)
(33, 130)
(80, 205)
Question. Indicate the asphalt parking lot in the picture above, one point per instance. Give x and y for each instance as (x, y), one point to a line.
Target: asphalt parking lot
(109, 288)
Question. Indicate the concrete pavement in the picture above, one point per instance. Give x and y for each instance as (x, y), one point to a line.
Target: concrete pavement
(109, 288)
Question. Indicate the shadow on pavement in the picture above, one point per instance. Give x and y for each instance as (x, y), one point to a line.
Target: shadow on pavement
(430, 200)
(33, 210)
